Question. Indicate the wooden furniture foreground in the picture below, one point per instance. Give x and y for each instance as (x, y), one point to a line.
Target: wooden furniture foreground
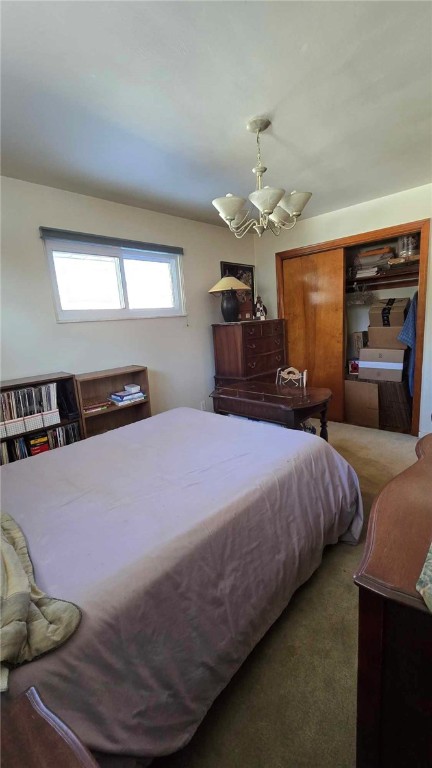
(271, 402)
(34, 737)
(394, 695)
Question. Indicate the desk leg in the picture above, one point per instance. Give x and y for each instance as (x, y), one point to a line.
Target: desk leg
(323, 422)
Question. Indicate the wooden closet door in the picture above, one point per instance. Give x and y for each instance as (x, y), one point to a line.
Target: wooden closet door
(314, 306)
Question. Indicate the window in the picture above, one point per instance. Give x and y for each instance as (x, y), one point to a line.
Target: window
(101, 278)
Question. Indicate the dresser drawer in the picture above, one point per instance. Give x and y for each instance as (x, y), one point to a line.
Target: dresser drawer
(257, 346)
(251, 331)
(263, 363)
(256, 364)
(276, 359)
(272, 328)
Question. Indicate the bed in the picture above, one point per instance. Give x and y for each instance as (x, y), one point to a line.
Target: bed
(182, 539)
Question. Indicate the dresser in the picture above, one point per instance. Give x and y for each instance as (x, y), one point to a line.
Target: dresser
(248, 350)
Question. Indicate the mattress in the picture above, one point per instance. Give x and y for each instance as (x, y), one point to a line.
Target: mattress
(182, 539)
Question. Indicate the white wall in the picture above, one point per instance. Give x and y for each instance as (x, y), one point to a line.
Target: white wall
(410, 205)
(177, 351)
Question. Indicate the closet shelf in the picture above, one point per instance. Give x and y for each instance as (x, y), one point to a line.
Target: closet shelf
(402, 277)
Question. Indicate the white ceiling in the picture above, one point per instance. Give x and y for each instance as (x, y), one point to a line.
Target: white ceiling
(146, 103)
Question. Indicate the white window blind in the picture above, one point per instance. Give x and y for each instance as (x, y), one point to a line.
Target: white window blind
(100, 278)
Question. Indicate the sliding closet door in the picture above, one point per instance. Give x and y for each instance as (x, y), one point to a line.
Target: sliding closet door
(314, 306)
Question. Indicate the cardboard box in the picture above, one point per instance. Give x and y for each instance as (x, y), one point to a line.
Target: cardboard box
(385, 337)
(359, 339)
(381, 364)
(387, 312)
(361, 403)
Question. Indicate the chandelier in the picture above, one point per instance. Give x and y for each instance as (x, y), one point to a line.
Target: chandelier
(277, 209)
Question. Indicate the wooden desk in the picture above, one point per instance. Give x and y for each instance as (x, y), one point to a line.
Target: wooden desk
(394, 699)
(271, 402)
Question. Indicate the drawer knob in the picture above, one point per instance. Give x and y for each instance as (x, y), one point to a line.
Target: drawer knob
(277, 342)
(251, 331)
(252, 365)
(278, 358)
(251, 346)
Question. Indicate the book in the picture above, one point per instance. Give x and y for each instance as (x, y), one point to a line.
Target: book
(95, 408)
(39, 449)
(19, 448)
(59, 436)
(4, 454)
(367, 272)
(38, 444)
(98, 405)
(127, 400)
(37, 440)
(125, 394)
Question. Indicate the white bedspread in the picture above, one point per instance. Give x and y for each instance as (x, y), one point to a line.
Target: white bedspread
(182, 538)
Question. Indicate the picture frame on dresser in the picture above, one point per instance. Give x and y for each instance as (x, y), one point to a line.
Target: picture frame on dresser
(246, 274)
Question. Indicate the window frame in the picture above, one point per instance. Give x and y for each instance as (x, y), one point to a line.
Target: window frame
(121, 250)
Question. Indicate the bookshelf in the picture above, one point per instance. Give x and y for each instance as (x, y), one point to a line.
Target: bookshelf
(38, 413)
(93, 389)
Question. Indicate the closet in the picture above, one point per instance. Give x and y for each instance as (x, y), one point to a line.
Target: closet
(325, 296)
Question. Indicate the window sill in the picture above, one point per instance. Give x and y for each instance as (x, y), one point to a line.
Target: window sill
(115, 318)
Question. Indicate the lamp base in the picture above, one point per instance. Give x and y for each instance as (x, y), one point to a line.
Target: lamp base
(230, 306)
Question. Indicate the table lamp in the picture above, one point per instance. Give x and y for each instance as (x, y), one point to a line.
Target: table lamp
(227, 288)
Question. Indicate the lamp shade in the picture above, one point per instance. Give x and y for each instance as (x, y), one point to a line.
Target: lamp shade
(229, 206)
(229, 284)
(266, 199)
(239, 219)
(280, 216)
(294, 202)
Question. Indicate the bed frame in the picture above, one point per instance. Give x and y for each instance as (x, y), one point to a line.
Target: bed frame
(394, 704)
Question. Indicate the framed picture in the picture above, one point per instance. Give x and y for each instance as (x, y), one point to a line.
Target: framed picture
(246, 274)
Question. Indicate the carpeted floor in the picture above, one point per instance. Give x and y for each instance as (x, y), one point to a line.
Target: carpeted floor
(293, 702)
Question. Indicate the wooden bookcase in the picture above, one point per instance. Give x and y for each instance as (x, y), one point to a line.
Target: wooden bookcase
(61, 424)
(94, 388)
